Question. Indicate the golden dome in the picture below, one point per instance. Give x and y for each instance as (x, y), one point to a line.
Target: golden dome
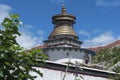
(63, 25)
(63, 30)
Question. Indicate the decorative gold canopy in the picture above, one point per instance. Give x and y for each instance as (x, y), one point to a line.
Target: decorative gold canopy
(63, 30)
(63, 16)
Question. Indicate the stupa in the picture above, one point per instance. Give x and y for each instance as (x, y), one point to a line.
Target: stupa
(63, 43)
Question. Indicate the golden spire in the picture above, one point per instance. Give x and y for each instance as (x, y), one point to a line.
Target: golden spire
(63, 24)
(63, 9)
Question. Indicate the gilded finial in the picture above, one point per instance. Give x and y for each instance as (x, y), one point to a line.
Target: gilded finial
(63, 9)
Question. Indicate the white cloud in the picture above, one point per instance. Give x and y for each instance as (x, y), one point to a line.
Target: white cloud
(58, 1)
(102, 3)
(108, 3)
(4, 11)
(119, 37)
(102, 39)
(61, 0)
(82, 32)
(97, 30)
(116, 3)
(40, 32)
(28, 39)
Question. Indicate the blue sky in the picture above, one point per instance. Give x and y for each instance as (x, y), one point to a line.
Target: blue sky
(98, 21)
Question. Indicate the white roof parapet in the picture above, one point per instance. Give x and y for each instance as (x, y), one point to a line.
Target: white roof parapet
(110, 72)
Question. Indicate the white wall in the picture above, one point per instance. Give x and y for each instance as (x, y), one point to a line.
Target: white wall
(49, 74)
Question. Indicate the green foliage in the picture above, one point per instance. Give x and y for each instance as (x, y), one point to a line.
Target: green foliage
(15, 63)
(102, 56)
(110, 58)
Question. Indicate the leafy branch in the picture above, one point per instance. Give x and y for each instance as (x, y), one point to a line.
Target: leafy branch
(15, 63)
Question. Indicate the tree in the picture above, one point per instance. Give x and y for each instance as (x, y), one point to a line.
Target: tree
(15, 63)
(110, 58)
